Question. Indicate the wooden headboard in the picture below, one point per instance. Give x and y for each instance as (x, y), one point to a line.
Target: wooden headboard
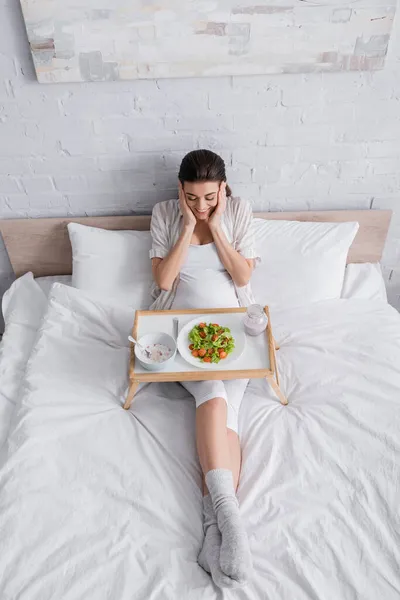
(42, 245)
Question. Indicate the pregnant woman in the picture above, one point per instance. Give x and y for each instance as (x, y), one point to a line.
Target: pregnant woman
(202, 256)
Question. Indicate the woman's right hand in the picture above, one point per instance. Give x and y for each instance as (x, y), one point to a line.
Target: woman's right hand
(189, 220)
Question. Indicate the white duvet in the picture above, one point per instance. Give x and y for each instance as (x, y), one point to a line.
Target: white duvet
(98, 503)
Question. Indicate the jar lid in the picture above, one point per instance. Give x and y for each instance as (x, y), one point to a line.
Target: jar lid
(255, 310)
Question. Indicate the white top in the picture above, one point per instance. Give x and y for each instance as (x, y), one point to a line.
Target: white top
(166, 224)
(204, 281)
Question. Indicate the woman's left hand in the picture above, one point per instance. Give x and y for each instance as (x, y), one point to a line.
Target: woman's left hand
(215, 219)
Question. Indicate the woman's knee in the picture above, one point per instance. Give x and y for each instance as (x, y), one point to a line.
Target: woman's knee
(233, 435)
(213, 406)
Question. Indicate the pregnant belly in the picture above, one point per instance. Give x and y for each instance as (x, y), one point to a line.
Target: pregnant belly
(216, 291)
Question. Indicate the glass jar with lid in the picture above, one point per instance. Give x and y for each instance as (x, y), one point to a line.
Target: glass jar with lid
(255, 320)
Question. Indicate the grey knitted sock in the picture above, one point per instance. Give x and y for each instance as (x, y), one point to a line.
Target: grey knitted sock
(235, 558)
(208, 558)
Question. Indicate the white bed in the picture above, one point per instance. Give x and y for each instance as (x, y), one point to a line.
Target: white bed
(362, 281)
(88, 510)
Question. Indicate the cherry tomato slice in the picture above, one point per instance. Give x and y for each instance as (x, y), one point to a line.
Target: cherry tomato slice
(191, 347)
(215, 337)
(202, 352)
(207, 359)
(202, 334)
(202, 325)
(223, 354)
(195, 353)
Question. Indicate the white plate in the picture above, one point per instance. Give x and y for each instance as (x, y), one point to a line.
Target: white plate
(237, 332)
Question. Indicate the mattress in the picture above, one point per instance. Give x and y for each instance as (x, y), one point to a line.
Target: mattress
(100, 503)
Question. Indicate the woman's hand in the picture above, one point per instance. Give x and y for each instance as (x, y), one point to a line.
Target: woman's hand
(189, 220)
(215, 219)
(166, 270)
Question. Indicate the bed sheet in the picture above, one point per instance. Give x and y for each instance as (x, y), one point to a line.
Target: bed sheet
(99, 503)
(46, 283)
(23, 307)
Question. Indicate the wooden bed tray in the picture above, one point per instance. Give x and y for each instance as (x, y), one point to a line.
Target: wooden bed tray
(43, 247)
(261, 348)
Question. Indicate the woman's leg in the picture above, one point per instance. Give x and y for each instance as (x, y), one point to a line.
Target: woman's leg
(235, 455)
(214, 453)
(219, 452)
(211, 435)
(235, 390)
(235, 557)
(215, 416)
(217, 461)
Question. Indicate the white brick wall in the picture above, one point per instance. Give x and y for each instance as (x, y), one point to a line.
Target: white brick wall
(291, 142)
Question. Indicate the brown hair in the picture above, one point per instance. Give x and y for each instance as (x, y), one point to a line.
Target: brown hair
(203, 165)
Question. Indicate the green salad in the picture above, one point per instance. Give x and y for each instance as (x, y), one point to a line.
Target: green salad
(211, 343)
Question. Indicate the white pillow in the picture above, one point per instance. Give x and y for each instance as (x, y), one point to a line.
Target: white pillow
(301, 262)
(364, 282)
(112, 264)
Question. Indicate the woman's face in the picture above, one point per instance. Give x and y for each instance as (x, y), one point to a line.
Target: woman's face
(201, 197)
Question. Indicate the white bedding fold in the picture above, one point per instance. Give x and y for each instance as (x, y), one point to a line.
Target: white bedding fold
(98, 503)
(23, 306)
